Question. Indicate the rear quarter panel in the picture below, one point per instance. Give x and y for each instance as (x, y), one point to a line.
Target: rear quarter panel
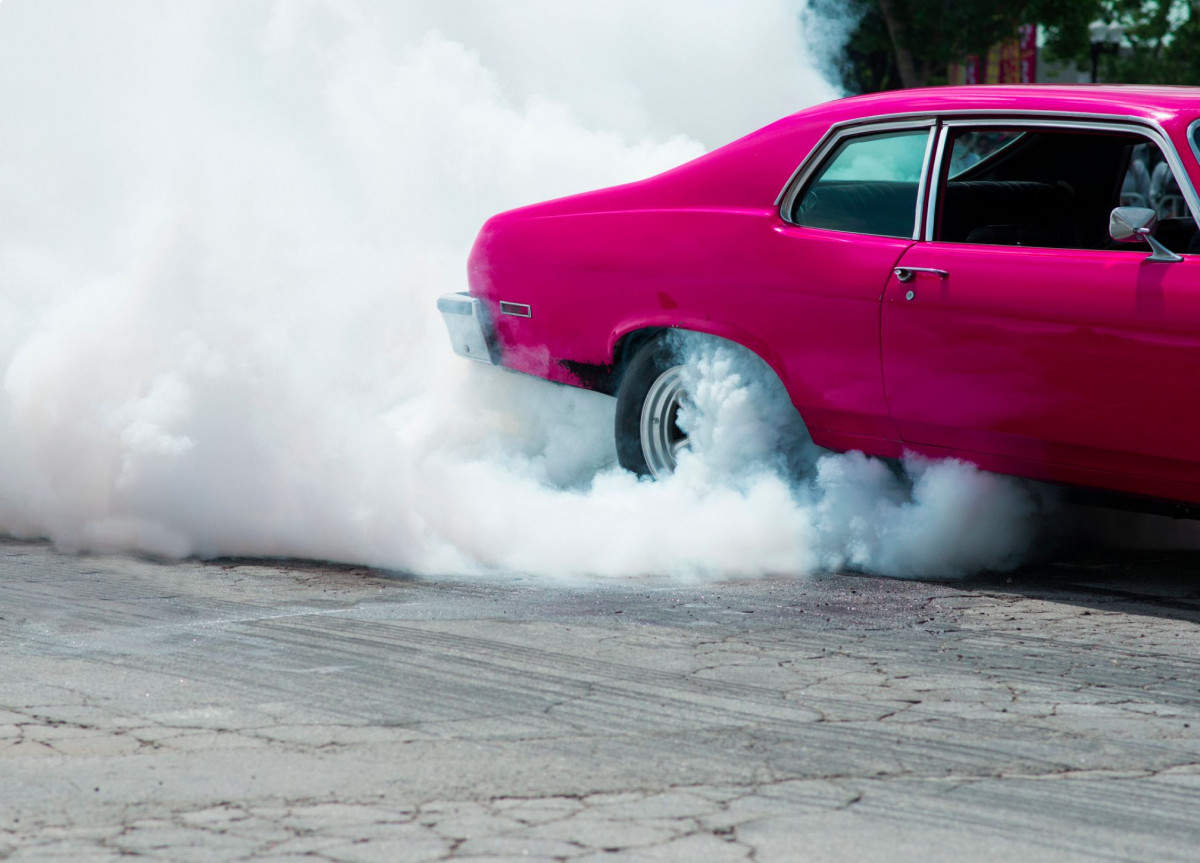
(688, 249)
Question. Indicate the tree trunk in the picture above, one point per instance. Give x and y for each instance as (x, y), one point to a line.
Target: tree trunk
(909, 76)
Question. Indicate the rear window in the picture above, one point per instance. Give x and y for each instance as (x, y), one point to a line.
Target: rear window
(868, 185)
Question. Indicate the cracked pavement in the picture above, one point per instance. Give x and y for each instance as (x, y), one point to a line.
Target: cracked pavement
(239, 710)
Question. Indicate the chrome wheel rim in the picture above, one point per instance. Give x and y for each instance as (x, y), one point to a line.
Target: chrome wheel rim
(662, 439)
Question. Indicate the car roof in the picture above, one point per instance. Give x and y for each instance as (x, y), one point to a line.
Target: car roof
(1160, 103)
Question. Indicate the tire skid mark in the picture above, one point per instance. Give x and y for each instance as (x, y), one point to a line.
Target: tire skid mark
(465, 687)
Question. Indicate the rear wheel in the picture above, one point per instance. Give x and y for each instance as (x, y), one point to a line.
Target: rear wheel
(652, 391)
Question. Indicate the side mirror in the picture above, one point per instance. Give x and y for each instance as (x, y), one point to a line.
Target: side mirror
(1135, 224)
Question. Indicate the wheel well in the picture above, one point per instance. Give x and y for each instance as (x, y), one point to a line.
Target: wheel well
(627, 347)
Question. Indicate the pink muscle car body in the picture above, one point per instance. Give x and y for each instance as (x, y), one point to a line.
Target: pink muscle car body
(1071, 358)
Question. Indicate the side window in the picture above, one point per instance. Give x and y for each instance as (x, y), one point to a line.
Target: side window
(868, 185)
(1054, 188)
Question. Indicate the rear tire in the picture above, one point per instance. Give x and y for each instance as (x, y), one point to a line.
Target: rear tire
(648, 438)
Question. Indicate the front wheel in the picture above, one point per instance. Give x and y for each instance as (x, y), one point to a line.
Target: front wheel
(652, 391)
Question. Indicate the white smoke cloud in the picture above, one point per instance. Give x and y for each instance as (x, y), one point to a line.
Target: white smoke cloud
(225, 226)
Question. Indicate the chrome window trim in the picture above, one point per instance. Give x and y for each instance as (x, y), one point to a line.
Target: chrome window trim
(995, 117)
(840, 132)
(819, 149)
(935, 175)
(1191, 136)
(923, 183)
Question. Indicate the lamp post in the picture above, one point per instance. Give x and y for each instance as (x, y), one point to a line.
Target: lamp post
(1105, 39)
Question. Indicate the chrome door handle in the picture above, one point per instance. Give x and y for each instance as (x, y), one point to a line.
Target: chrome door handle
(904, 275)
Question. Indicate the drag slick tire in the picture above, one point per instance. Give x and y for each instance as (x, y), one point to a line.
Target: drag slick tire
(652, 391)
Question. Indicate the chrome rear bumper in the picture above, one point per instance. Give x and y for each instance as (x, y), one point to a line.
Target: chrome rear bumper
(467, 322)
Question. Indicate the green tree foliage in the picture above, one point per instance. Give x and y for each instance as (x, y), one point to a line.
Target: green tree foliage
(911, 43)
(1161, 45)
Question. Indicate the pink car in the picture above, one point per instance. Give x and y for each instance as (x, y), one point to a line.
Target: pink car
(980, 272)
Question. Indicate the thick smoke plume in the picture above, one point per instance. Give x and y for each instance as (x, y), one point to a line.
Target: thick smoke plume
(225, 226)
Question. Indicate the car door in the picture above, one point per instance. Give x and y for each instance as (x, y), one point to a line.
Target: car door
(847, 218)
(1021, 332)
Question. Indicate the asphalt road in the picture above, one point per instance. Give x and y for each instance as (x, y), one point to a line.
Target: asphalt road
(291, 711)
